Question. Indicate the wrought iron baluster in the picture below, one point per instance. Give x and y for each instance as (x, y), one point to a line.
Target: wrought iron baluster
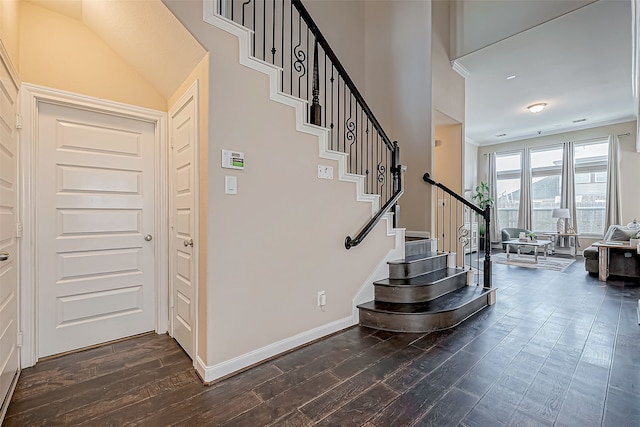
(300, 58)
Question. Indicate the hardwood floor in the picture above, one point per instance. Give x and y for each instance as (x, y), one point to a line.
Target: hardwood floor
(556, 349)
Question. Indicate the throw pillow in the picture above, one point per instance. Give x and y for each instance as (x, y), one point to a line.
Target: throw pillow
(620, 235)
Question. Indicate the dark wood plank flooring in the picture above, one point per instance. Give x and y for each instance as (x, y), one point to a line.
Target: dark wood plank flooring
(557, 349)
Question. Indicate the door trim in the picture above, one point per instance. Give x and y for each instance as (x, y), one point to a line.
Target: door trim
(192, 92)
(30, 97)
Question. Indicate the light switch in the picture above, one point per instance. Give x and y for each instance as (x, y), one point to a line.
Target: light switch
(230, 185)
(325, 172)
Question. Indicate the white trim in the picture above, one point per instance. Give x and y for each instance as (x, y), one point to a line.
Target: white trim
(460, 69)
(419, 234)
(30, 96)
(192, 92)
(212, 373)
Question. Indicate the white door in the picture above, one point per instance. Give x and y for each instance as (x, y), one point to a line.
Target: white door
(95, 219)
(8, 247)
(183, 129)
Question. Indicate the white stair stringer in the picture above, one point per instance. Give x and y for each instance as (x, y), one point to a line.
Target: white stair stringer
(275, 75)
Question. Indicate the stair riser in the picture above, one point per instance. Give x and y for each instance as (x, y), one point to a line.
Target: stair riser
(417, 247)
(420, 323)
(416, 268)
(410, 294)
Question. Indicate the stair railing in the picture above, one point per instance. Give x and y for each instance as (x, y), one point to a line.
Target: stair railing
(285, 35)
(459, 228)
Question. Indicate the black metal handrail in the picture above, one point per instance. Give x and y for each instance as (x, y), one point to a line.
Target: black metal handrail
(463, 229)
(285, 35)
(349, 242)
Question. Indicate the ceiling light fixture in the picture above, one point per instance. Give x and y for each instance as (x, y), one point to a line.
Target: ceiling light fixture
(536, 108)
(500, 135)
(511, 77)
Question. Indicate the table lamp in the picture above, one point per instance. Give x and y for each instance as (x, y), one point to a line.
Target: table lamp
(561, 214)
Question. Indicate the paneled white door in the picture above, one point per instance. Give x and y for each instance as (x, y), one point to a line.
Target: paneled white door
(183, 129)
(95, 222)
(8, 247)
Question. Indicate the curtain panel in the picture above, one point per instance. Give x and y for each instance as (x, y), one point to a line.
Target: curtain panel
(613, 212)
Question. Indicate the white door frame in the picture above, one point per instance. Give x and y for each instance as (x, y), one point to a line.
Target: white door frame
(192, 92)
(30, 96)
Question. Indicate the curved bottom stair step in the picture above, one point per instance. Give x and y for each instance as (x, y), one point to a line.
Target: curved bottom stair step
(442, 313)
(425, 287)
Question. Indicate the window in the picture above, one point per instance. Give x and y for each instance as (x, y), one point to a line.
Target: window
(508, 168)
(591, 186)
(546, 187)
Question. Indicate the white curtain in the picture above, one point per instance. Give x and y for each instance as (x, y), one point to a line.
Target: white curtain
(492, 176)
(613, 214)
(568, 193)
(524, 211)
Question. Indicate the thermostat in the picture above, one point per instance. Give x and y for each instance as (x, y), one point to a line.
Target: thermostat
(232, 159)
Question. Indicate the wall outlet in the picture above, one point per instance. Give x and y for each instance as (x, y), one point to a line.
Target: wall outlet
(325, 172)
(322, 298)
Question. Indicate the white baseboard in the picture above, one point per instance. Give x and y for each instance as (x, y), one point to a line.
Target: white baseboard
(421, 234)
(220, 370)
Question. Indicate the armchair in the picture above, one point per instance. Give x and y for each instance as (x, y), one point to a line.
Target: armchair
(513, 233)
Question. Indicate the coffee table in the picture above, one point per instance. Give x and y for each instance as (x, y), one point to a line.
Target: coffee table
(544, 244)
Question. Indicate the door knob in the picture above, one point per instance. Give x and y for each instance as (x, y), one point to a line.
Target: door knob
(4, 256)
(188, 243)
(148, 237)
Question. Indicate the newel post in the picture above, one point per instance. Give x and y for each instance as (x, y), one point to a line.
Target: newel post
(487, 247)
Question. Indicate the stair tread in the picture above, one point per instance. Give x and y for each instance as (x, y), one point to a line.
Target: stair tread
(448, 302)
(424, 279)
(413, 258)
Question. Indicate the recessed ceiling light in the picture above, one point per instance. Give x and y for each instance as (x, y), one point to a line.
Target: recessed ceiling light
(536, 108)
(501, 135)
(579, 120)
(511, 77)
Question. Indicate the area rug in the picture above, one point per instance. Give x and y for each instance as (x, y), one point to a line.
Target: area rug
(551, 263)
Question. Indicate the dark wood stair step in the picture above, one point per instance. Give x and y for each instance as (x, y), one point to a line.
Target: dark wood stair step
(417, 247)
(416, 265)
(421, 288)
(441, 313)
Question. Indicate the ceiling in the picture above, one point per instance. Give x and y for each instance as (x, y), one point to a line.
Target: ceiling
(578, 63)
(144, 33)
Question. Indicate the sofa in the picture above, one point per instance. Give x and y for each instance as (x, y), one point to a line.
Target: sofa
(514, 233)
(622, 262)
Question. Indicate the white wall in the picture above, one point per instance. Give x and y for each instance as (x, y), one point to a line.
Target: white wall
(398, 54)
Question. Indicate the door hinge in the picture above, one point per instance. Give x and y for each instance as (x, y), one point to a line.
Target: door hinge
(19, 340)
(18, 229)
(18, 121)
(171, 143)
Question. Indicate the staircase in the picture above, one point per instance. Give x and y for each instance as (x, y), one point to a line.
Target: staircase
(422, 294)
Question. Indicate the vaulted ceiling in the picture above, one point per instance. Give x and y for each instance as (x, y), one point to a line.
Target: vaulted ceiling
(144, 33)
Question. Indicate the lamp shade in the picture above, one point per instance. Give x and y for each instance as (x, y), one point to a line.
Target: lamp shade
(560, 213)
